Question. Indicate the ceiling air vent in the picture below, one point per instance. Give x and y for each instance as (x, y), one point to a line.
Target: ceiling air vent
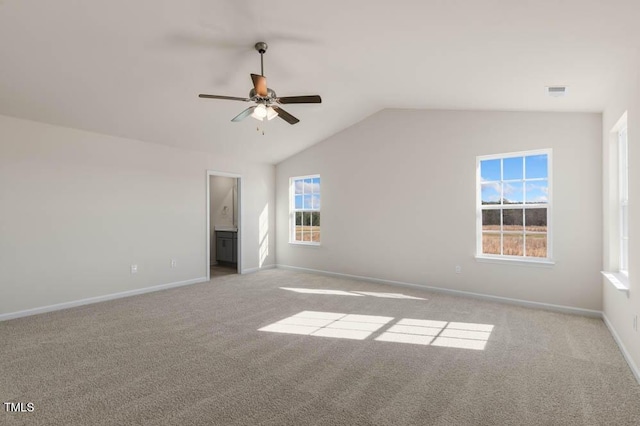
(557, 91)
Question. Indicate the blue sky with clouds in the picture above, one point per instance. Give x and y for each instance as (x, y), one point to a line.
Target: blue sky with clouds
(307, 194)
(514, 183)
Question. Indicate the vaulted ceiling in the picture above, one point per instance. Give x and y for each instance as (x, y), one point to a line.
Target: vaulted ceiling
(135, 68)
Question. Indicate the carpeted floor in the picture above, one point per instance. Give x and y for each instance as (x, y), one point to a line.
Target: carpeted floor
(194, 356)
(221, 270)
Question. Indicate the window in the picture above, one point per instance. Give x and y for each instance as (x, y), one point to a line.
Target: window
(623, 203)
(304, 207)
(514, 206)
(617, 207)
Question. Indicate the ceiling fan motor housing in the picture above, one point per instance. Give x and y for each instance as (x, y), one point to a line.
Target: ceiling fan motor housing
(271, 95)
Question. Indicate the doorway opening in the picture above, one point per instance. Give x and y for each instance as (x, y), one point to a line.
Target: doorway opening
(223, 224)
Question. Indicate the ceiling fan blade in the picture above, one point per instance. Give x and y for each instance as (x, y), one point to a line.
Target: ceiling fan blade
(228, 98)
(309, 99)
(285, 115)
(260, 84)
(244, 114)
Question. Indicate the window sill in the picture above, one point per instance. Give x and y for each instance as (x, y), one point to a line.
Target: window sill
(618, 280)
(544, 263)
(304, 244)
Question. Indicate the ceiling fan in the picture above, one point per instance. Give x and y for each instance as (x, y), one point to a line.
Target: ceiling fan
(265, 98)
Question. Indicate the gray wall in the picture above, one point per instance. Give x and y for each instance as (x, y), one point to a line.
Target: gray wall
(398, 202)
(78, 208)
(620, 308)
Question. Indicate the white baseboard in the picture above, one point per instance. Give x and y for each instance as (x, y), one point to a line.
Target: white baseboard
(623, 349)
(97, 299)
(262, 268)
(538, 305)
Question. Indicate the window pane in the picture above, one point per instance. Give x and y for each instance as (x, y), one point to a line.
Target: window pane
(490, 170)
(535, 220)
(513, 193)
(623, 164)
(307, 202)
(490, 243)
(512, 220)
(513, 245)
(298, 228)
(315, 201)
(538, 192)
(536, 166)
(316, 185)
(536, 245)
(490, 193)
(308, 186)
(298, 202)
(298, 184)
(491, 220)
(512, 168)
(315, 229)
(306, 226)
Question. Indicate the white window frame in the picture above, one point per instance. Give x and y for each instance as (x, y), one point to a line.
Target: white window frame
(501, 258)
(293, 210)
(623, 200)
(617, 273)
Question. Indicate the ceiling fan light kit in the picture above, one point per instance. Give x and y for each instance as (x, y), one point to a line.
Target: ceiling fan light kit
(262, 112)
(259, 112)
(265, 98)
(271, 113)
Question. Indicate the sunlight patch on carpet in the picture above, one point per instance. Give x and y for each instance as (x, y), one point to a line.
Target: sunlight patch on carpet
(320, 291)
(389, 295)
(329, 324)
(350, 293)
(459, 335)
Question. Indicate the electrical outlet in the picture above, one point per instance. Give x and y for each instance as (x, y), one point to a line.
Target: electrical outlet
(134, 269)
(458, 269)
(174, 263)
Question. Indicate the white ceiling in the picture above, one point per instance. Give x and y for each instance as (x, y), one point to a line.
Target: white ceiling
(134, 68)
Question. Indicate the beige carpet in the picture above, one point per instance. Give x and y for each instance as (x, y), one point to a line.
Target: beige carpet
(221, 270)
(194, 356)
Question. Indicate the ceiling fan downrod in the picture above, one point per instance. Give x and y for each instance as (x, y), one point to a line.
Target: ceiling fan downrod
(261, 47)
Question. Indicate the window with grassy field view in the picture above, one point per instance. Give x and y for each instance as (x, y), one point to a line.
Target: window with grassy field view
(305, 209)
(514, 205)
